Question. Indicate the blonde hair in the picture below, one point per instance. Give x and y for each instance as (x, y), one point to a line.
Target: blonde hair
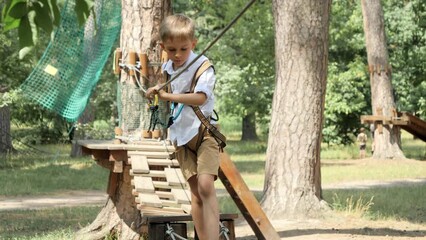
(177, 26)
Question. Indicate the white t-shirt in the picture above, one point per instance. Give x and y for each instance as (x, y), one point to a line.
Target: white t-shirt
(186, 126)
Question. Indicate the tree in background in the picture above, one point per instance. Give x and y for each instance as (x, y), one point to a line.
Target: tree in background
(348, 88)
(243, 58)
(292, 176)
(387, 139)
(247, 51)
(405, 25)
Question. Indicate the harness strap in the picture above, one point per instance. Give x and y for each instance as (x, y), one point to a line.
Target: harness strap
(218, 136)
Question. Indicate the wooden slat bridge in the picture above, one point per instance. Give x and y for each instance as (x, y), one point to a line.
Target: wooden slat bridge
(161, 192)
(407, 121)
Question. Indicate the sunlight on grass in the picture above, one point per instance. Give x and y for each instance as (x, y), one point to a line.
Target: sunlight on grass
(396, 203)
(57, 223)
(355, 208)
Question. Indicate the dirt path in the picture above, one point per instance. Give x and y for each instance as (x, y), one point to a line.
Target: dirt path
(336, 227)
(81, 198)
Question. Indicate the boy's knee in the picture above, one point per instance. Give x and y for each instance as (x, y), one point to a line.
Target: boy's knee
(206, 187)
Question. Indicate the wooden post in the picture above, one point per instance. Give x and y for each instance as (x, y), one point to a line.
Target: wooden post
(132, 62)
(143, 59)
(117, 58)
(379, 112)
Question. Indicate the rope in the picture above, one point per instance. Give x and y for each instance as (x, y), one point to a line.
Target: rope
(210, 44)
(224, 231)
(171, 232)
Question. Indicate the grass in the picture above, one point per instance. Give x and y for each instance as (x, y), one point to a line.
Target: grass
(36, 173)
(41, 174)
(397, 203)
(57, 223)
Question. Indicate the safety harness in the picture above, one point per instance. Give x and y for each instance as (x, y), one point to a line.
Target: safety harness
(218, 136)
(206, 124)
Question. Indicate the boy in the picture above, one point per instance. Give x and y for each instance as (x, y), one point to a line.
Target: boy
(196, 150)
(362, 141)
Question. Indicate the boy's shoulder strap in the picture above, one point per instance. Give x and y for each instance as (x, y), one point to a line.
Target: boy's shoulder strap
(201, 69)
(218, 136)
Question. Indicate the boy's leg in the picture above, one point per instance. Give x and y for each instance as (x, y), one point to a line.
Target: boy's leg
(205, 210)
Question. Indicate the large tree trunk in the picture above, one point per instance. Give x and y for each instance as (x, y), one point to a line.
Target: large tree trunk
(5, 140)
(249, 127)
(387, 138)
(293, 178)
(88, 116)
(139, 33)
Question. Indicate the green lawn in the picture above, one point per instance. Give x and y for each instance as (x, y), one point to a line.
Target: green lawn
(36, 173)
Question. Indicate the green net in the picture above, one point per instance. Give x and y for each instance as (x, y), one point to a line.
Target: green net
(69, 69)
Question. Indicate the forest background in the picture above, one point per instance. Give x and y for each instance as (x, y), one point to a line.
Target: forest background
(245, 66)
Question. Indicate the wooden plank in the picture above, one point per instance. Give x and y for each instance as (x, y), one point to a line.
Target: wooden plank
(187, 218)
(112, 183)
(144, 184)
(139, 164)
(154, 211)
(245, 200)
(163, 155)
(182, 196)
(416, 126)
(165, 185)
(152, 173)
(174, 176)
(150, 200)
(163, 194)
(170, 203)
(371, 119)
(118, 167)
(163, 162)
(135, 146)
(119, 155)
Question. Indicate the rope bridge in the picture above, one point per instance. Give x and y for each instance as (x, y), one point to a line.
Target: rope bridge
(69, 69)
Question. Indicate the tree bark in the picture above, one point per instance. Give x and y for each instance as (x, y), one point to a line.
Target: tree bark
(140, 33)
(387, 138)
(293, 177)
(249, 127)
(5, 140)
(87, 117)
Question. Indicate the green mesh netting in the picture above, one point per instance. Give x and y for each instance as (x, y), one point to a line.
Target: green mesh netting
(69, 69)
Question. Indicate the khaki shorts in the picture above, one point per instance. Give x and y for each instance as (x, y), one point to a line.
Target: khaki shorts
(205, 160)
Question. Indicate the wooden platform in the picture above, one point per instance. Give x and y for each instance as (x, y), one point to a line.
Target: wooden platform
(160, 189)
(406, 121)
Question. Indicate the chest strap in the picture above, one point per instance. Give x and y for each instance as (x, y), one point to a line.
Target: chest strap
(218, 136)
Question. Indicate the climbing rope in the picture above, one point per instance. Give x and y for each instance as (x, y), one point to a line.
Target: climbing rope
(209, 45)
(224, 231)
(171, 232)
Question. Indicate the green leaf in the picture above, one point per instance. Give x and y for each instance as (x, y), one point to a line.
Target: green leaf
(4, 11)
(25, 33)
(82, 9)
(11, 24)
(18, 9)
(42, 17)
